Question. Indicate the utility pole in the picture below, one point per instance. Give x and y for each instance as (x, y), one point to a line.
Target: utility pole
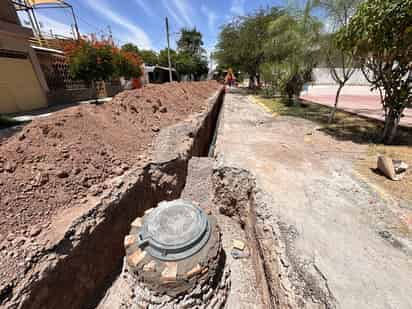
(168, 50)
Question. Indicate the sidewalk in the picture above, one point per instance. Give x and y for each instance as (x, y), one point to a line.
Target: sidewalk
(47, 111)
(364, 105)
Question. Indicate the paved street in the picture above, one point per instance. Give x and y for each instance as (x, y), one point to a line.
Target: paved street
(365, 105)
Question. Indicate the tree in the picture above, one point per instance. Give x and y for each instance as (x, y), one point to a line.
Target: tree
(163, 58)
(191, 59)
(380, 37)
(90, 59)
(127, 64)
(130, 47)
(185, 64)
(241, 43)
(100, 60)
(291, 51)
(149, 57)
(190, 42)
(340, 62)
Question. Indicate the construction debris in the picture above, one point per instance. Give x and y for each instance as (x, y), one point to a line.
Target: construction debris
(237, 254)
(392, 169)
(238, 244)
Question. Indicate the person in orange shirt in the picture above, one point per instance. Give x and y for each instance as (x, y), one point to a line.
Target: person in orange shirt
(230, 78)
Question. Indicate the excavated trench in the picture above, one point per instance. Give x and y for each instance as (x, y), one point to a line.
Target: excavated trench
(78, 267)
(83, 268)
(231, 196)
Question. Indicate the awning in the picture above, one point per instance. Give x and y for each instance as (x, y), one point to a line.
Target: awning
(38, 2)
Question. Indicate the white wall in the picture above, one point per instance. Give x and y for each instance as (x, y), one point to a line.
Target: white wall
(324, 84)
(322, 76)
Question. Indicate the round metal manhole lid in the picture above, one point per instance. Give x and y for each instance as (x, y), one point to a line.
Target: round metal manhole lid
(174, 230)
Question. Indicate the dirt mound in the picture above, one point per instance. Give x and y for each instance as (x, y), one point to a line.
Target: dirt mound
(54, 162)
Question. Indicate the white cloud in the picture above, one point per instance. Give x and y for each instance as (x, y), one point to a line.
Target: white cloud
(172, 13)
(211, 17)
(138, 34)
(237, 7)
(184, 10)
(180, 11)
(146, 8)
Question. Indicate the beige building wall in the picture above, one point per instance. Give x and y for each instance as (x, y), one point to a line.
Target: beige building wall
(20, 89)
(22, 84)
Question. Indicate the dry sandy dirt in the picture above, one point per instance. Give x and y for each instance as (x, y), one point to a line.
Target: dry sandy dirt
(53, 163)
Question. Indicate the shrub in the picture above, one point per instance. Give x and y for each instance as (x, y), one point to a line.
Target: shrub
(99, 60)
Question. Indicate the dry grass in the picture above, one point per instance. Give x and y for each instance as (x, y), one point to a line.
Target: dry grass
(358, 130)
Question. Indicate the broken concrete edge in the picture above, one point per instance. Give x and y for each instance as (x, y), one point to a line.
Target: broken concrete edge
(73, 269)
(283, 280)
(181, 141)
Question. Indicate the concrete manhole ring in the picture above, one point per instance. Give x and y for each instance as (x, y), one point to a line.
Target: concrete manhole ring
(173, 247)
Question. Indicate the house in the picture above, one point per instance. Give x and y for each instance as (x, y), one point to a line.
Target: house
(22, 83)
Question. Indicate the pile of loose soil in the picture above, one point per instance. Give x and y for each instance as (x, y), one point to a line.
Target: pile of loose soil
(55, 162)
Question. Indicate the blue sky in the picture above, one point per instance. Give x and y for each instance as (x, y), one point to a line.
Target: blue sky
(142, 21)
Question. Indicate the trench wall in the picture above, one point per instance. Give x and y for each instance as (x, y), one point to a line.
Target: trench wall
(77, 268)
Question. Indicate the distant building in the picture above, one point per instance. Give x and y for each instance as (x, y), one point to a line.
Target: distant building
(22, 83)
(157, 75)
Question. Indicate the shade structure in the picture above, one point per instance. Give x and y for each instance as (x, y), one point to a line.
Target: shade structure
(39, 2)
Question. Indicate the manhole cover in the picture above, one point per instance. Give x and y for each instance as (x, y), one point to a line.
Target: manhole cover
(174, 230)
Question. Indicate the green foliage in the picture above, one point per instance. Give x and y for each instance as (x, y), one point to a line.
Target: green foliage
(149, 57)
(341, 63)
(130, 47)
(100, 60)
(190, 42)
(91, 62)
(163, 60)
(185, 64)
(380, 36)
(191, 58)
(127, 65)
(291, 52)
(241, 43)
(202, 67)
(338, 11)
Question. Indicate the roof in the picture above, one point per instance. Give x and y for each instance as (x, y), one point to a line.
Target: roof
(148, 68)
(50, 50)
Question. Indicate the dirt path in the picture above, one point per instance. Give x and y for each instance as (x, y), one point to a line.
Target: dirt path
(342, 245)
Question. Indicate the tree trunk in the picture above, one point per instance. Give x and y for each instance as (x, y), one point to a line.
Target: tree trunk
(251, 81)
(335, 106)
(391, 127)
(291, 102)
